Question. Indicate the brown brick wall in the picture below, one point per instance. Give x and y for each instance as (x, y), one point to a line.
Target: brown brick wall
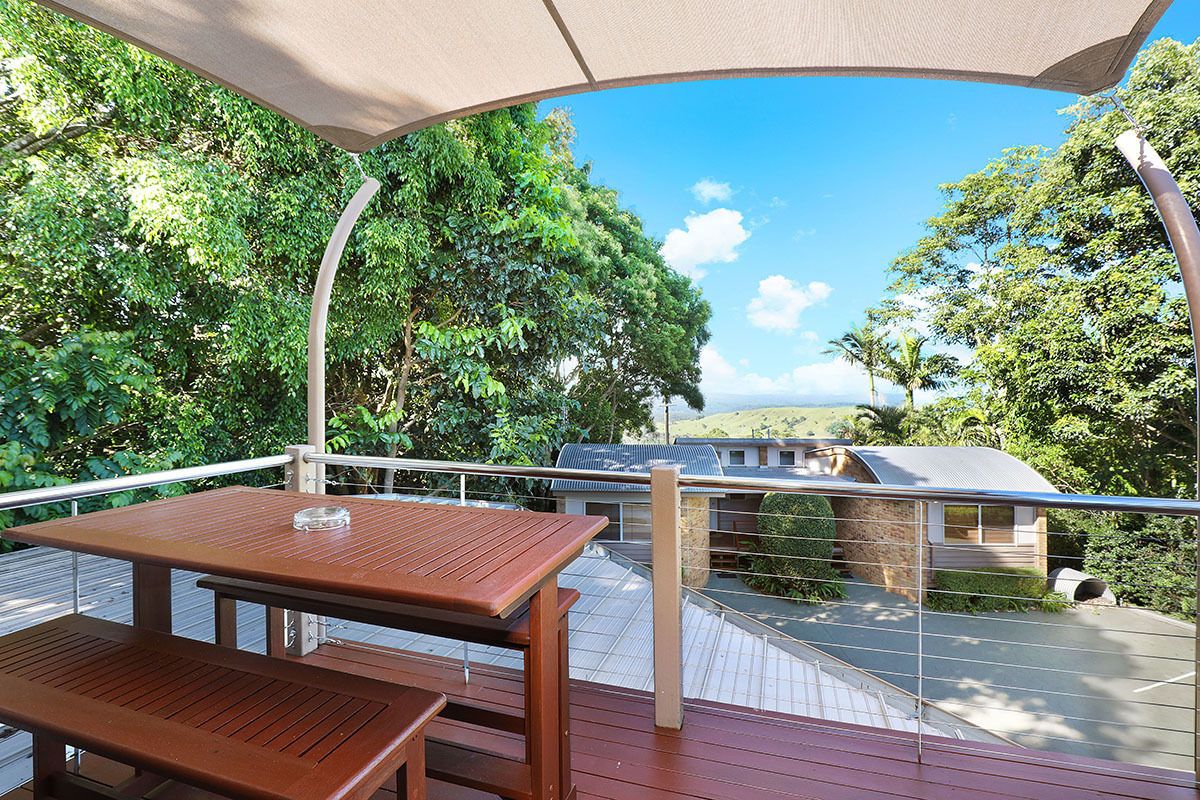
(879, 542)
(695, 536)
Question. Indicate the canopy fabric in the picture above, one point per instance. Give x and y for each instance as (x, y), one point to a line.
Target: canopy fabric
(360, 73)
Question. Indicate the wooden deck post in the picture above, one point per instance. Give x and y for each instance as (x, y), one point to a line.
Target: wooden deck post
(667, 564)
(294, 632)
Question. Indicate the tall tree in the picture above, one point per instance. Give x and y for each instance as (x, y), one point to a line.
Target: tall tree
(159, 243)
(910, 368)
(878, 425)
(866, 347)
(1054, 268)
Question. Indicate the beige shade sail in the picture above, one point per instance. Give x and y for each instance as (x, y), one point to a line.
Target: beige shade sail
(360, 72)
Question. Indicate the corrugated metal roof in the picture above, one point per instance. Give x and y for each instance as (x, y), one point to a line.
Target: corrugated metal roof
(691, 459)
(749, 442)
(727, 657)
(957, 467)
(785, 473)
(444, 501)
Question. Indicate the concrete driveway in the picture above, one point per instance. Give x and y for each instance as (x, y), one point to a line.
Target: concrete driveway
(1115, 683)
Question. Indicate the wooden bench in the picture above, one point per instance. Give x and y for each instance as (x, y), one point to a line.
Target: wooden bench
(446, 758)
(239, 724)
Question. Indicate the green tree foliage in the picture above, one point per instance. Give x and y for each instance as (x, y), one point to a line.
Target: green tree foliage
(910, 368)
(866, 347)
(878, 426)
(159, 238)
(1053, 268)
(794, 549)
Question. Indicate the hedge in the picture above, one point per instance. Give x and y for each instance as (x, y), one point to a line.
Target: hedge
(1153, 565)
(993, 589)
(794, 548)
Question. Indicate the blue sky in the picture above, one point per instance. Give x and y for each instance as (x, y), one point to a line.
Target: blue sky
(787, 198)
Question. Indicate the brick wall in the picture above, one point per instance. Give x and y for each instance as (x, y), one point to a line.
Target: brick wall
(881, 535)
(695, 536)
(879, 542)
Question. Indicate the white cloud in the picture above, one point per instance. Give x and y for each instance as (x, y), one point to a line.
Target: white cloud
(706, 239)
(803, 233)
(706, 190)
(777, 202)
(825, 379)
(780, 301)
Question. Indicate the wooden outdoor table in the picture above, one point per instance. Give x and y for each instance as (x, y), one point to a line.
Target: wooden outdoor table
(474, 560)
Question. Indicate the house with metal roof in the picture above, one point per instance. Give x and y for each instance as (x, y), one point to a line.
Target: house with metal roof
(751, 452)
(736, 513)
(628, 505)
(885, 540)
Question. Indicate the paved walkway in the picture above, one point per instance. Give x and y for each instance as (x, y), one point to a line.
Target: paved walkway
(1113, 683)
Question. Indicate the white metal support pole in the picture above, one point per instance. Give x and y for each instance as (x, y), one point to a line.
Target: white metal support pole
(318, 318)
(667, 585)
(462, 489)
(302, 633)
(1184, 236)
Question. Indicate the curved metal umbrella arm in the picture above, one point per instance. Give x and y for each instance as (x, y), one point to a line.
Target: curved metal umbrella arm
(1184, 235)
(318, 318)
(1176, 215)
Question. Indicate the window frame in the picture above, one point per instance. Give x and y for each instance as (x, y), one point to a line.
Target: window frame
(619, 521)
(977, 539)
(741, 455)
(791, 453)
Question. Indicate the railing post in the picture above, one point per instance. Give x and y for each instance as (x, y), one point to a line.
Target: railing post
(300, 475)
(301, 632)
(667, 565)
(922, 514)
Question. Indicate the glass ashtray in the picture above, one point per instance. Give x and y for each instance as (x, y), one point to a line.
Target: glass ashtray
(321, 518)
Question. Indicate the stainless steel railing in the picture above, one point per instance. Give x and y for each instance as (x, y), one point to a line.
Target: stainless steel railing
(1132, 505)
(75, 491)
(906, 644)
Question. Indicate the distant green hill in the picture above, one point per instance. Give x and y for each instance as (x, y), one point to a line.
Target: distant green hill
(783, 421)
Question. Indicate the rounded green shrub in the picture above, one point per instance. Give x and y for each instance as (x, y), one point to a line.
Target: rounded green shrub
(794, 549)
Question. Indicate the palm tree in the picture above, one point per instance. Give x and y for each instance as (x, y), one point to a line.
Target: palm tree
(908, 367)
(864, 347)
(880, 425)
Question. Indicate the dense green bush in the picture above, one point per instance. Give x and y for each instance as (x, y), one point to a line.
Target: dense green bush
(993, 589)
(793, 551)
(1153, 565)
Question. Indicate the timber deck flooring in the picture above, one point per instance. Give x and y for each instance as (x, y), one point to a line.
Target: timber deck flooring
(726, 753)
(729, 753)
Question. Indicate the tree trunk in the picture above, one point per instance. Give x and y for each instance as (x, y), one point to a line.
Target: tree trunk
(389, 475)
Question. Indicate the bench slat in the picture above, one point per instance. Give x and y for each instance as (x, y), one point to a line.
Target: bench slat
(185, 709)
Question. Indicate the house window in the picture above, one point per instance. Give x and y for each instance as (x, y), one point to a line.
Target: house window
(628, 522)
(979, 524)
(787, 458)
(612, 532)
(737, 458)
(996, 523)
